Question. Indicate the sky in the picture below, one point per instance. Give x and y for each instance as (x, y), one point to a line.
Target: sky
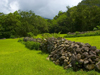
(44, 8)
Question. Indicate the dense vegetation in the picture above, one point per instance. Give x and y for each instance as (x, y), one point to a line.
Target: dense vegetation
(20, 23)
(83, 17)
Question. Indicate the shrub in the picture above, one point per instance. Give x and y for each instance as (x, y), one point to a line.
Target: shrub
(21, 40)
(76, 33)
(12, 36)
(48, 35)
(95, 29)
(30, 34)
(98, 27)
(56, 35)
(32, 45)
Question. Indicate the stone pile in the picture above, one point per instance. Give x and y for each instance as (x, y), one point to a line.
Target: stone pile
(32, 39)
(71, 54)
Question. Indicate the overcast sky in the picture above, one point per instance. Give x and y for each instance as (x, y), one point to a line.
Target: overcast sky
(44, 8)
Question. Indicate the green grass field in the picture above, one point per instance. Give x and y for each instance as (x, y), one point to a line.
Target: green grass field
(92, 40)
(15, 59)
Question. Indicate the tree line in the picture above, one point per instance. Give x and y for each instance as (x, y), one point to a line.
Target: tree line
(20, 23)
(83, 17)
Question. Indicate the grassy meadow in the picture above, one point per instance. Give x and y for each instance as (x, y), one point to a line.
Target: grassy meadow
(92, 40)
(16, 59)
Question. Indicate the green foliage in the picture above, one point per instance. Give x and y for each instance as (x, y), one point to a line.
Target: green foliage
(94, 28)
(30, 34)
(76, 33)
(76, 63)
(22, 23)
(83, 17)
(12, 36)
(21, 40)
(48, 35)
(32, 45)
(98, 27)
(56, 35)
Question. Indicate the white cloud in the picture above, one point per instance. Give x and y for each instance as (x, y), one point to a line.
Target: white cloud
(14, 6)
(45, 8)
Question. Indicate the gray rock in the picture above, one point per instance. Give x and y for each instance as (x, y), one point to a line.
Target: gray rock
(78, 57)
(80, 44)
(86, 62)
(81, 61)
(90, 60)
(98, 66)
(76, 46)
(93, 48)
(67, 58)
(85, 49)
(62, 57)
(85, 54)
(92, 52)
(78, 50)
(88, 45)
(96, 60)
(90, 66)
(65, 61)
(97, 52)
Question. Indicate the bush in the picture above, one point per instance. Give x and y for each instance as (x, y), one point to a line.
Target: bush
(76, 33)
(98, 27)
(95, 29)
(48, 35)
(56, 35)
(32, 45)
(12, 36)
(30, 34)
(21, 40)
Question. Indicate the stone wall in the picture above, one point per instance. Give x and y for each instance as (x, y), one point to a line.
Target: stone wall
(71, 54)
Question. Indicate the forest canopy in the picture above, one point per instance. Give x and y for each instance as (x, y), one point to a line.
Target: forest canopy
(83, 17)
